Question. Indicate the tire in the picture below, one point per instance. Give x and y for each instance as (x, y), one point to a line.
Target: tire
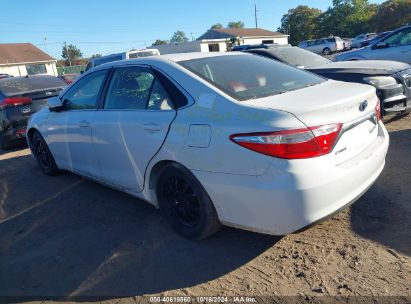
(326, 51)
(185, 203)
(43, 155)
(4, 144)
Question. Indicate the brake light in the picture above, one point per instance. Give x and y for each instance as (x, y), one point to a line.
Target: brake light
(15, 101)
(378, 110)
(292, 144)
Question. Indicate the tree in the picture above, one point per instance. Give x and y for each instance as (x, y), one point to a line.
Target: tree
(391, 14)
(300, 23)
(160, 42)
(235, 24)
(179, 37)
(95, 56)
(346, 18)
(70, 52)
(216, 26)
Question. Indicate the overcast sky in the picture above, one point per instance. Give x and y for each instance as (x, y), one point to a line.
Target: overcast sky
(112, 26)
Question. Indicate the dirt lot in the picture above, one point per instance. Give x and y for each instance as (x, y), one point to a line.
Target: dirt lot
(66, 236)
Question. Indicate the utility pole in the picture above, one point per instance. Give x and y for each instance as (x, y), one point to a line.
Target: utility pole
(255, 16)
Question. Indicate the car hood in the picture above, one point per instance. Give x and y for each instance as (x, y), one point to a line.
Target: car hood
(370, 67)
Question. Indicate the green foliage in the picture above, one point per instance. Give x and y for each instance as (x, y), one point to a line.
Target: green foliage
(179, 37)
(95, 56)
(392, 14)
(160, 42)
(345, 18)
(70, 52)
(216, 26)
(300, 23)
(235, 24)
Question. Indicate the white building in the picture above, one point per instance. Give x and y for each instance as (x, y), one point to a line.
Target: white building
(221, 40)
(21, 59)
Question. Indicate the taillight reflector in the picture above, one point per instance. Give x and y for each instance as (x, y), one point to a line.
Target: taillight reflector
(292, 144)
(378, 110)
(15, 101)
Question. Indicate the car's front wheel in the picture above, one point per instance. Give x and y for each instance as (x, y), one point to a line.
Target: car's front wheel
(43, 155)
(185, 203)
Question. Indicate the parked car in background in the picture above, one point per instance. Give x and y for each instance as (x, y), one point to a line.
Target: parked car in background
(391, 79)
(121, 56)
(325, 46)
(20, 97)
(347, 44)
(213, 139)
(358, 40)
(5, 76)
(395, 46)
(68, 78)
(375, 39)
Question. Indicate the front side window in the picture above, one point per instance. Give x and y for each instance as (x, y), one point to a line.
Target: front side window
(136, 88)
(249, 77)
(34, 69)
(400, 38)
(85, 92)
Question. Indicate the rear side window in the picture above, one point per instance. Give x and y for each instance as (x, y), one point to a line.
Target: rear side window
(136, 88)
(248, 77)
(85, 92)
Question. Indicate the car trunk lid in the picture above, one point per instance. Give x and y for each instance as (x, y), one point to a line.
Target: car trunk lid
(352, 105)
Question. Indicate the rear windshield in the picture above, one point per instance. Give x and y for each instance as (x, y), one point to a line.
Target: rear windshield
(22, 85)
(142, 54)
(247, 77)
(298, 57)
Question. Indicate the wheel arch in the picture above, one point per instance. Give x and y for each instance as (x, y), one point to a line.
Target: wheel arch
(155, 171)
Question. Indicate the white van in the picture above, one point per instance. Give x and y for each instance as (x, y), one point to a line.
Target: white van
(120, 56)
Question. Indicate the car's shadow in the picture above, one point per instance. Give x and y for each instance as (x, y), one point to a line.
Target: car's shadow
(383, 214)
(66, 237)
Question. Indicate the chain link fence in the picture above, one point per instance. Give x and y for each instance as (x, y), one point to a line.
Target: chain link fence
(75, 69)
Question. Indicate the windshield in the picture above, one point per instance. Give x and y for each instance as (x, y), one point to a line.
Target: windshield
(298, 57)
(247, 77)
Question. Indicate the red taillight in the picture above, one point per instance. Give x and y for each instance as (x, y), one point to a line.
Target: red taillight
(15, 101)
(378, 110)
(292, 144)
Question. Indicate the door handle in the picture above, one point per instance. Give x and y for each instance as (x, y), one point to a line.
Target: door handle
(152, 127)
(84, 124)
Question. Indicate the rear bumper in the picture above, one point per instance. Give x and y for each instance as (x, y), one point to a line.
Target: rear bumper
(294, 194)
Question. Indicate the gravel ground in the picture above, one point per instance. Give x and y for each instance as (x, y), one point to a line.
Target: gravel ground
(69, 237)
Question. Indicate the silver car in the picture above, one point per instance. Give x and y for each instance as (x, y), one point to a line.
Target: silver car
(396, 46)
(358, 40)
(325, 46)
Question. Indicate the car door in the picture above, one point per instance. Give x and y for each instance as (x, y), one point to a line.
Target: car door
(396, 46)
(69, 130)
(131, 126)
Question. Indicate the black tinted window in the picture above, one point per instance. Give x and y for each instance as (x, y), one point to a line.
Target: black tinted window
(85, 92)
(247, 77)
(298, 57)
(399, 38)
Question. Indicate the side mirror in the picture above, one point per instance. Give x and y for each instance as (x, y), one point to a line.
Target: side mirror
(54, 104)
(380, 45)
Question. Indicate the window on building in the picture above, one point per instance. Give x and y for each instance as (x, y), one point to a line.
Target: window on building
(33, 69)
(215, 47)
(268, 41)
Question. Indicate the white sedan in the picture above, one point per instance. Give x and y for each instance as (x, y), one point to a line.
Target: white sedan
(213, 139)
